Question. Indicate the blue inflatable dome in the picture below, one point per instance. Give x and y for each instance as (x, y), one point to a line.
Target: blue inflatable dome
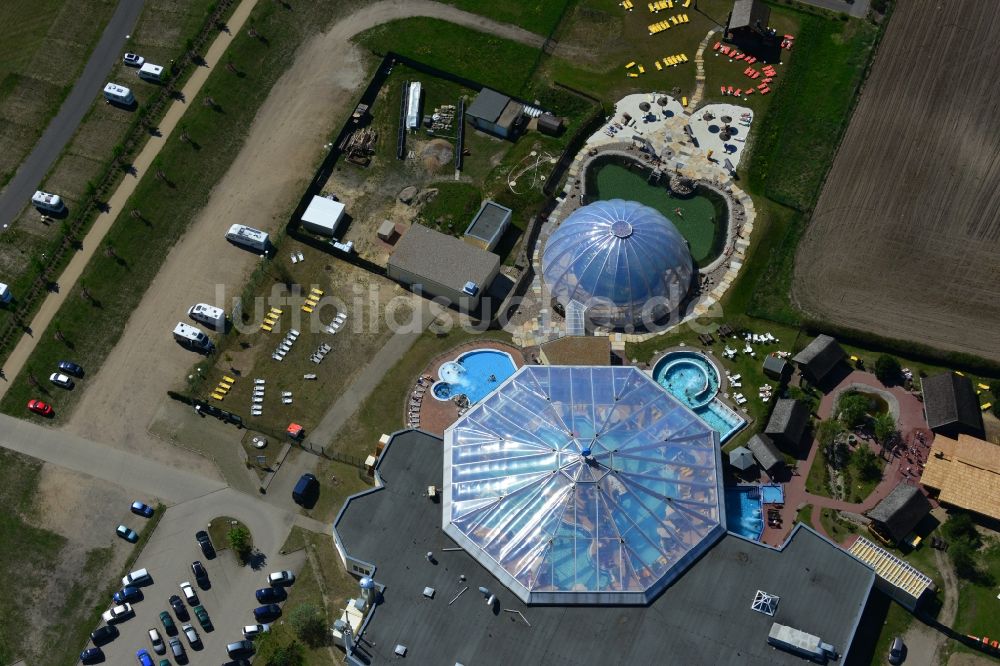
(624, 262)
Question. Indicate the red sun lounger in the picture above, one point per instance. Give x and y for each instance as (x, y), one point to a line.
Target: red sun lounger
(717, 45)
(723, 88)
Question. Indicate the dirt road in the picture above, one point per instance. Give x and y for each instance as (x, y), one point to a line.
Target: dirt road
(263, 183)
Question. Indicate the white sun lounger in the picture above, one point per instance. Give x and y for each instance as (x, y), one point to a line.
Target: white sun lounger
(258, 401)
(286, 394)
(278, 357)
(309, 376)
(286, 401)
(295, 259)
(260, 382)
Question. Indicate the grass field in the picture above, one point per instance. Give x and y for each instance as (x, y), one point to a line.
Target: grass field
(904, 239)
(977, 600)
(117, 283)
(450, 46)
(44, 46)
(452, 209)
(538, 16)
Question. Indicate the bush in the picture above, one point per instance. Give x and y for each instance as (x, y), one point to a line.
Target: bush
(885, 427)
(959, 527)
(887, 369)
(239, 541)
(309, 624)
(852, 408)
(286, 655)
(962, 556)
(867, 464)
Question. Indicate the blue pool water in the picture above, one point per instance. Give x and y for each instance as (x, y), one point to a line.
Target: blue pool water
(693, 379)
(772, 494)
(743, 512)
(474, 374)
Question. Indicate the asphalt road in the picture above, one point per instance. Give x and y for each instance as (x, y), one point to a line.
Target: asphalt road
(61, 128)
(228, 598)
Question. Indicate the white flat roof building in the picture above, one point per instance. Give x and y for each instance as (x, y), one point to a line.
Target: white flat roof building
(323, 216)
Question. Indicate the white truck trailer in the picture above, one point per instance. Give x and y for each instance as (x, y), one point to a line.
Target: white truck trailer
(117, 94)
(209, 315)
(192, 336)
(248, 237)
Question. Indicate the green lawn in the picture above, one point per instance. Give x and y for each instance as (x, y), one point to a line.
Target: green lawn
(498, 63)
(818, 483)
(977, 601)
(804, 515)
(452, 209)
(836, 528)
(117, 284)
(538, 16)
(897, 621)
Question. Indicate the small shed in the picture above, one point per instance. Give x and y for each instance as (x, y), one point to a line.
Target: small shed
(899, 512)
(489, 225)
(496, 113)
(777, 368)
(387, 231)
(788, 423)
(323, 216)
(550, 124)
(749, 17)
(818, 358)
(766, 453)
(951, 406)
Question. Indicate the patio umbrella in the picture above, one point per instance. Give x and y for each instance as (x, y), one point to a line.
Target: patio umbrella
(726, 119)
(644, 106)
(662, 101)
(741, 458)
(708, 116)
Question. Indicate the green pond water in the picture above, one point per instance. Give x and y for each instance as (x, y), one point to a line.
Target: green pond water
(701, 218)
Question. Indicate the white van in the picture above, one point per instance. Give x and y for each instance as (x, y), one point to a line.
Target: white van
(48, 202)
(191, 336)
(137, 577)
(209, 315)
(117, 94)
(248, 237)
(151, 72)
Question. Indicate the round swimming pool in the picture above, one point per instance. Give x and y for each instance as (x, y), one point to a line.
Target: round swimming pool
(474, 374)
(689, 376)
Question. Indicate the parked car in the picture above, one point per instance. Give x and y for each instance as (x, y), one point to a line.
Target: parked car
(267, 612)
(192, 634)
(137, 577)
(128, 595)
(180, 610)
(127, 534)
(164, 662)
(269, 595)
(157, 641)
(39, 407)
(203, 619)
(117, 614)
(133, 60)
(176, 647)
(168, 623)
(142, 509)
(70, 368)
(143, 656)
(200, 574)
(104, 635)
(897, 651)
(92, 655)
(207, 549)
(252, 630)
(305, 490)
(61, 380)
(189, 593)
(240, 649)
(281, 578)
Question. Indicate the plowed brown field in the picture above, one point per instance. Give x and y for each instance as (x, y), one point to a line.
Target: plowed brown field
(905, 238)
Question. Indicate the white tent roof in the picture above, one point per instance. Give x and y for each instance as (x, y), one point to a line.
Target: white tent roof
(323, 212)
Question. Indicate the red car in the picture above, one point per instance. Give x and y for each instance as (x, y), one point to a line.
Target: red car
(39, 407)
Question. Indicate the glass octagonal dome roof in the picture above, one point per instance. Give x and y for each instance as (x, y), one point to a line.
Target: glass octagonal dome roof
(618, 257)
(582, 485)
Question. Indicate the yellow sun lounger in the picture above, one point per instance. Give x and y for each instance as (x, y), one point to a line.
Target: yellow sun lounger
(633, 75)
(651, 8)
(266, 327)
(276, 311)
(987, 406)
(658, 65)
(960, 373)
(218, 397)
(983, 386)
(312, 300)
(642, 70)
(221, 391)
(630, 65)
(227, 378)
(317, 291)
(683, 57)
(306, 308)
(687, 3)
(684, 18)
(684, 101)
(225, 385)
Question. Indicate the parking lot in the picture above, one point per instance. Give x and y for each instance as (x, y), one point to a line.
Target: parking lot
(228, 597)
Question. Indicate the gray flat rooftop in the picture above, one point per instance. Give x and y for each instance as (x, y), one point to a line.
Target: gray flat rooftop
(488, 222)
(488, 105)
(703, 618)
(443, 259)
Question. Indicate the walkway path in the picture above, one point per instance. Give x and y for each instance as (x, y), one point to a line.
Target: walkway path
(61, 129)
(699, 77)
(911, 421)
(116, 203)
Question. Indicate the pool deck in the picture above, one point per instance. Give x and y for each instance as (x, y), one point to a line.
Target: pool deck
(436, 415)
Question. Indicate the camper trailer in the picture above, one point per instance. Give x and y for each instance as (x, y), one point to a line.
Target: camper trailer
(151, 72)
(209, 315)
(49, 203)
(192, 337)
(248, 237)
(116, 94)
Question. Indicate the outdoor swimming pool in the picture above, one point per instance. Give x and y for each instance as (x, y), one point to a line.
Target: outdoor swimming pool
(474, 374)
(701, 218)
(693, 379)
(772, 495)
(743, 512)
